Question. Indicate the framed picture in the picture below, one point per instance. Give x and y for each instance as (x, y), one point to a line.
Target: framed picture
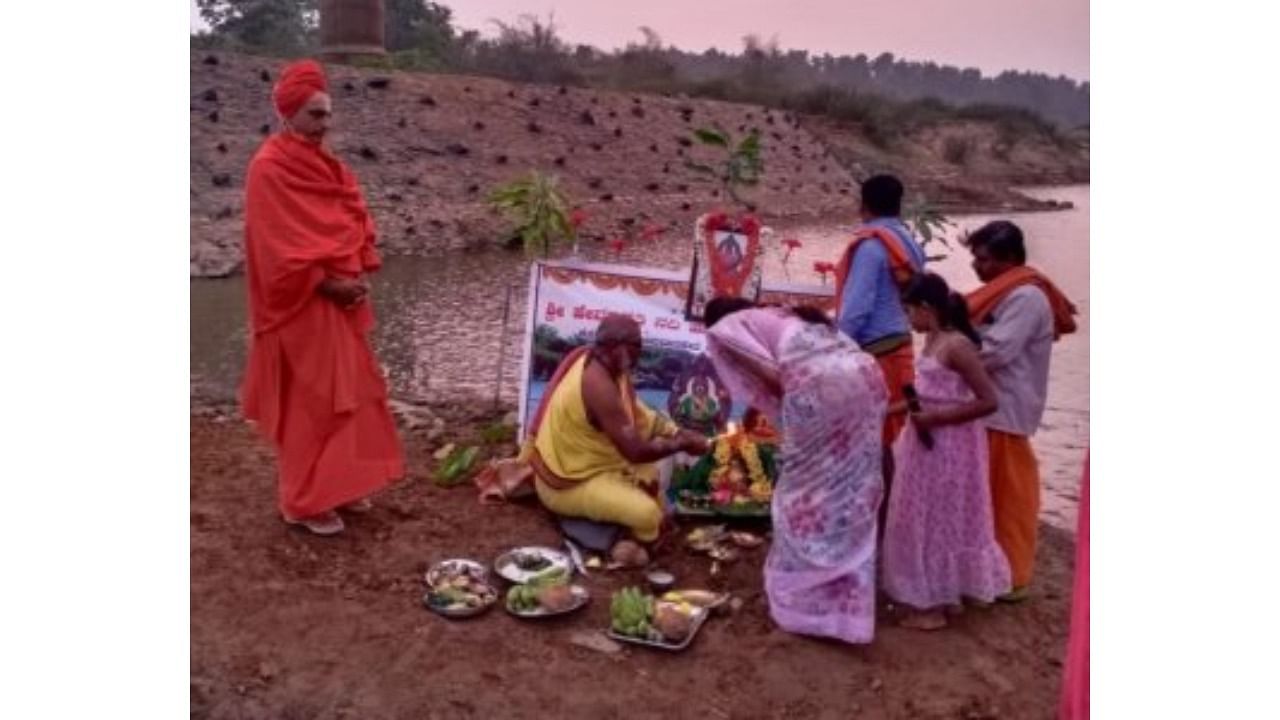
(726, 261)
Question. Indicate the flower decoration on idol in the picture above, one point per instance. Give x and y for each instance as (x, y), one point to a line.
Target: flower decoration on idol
(823, 269)
(617, 245)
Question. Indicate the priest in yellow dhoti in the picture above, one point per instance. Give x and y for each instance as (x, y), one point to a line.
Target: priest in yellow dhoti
(593, 443)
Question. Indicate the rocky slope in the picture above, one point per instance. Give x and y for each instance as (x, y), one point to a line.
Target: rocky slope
(429, 148)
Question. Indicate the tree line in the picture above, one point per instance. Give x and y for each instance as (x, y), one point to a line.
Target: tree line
(887, 95)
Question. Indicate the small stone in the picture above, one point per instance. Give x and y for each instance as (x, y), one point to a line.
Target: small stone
(368, 153)
(265, 129)
(264, 76)
(402, 123)
(473, 189)
(222, 148)
(595, 641)
(595, 183)
(535, 102)
(685, 206)
(613, 114)
(607, 197)
(213, 116)
(348, 86)
(466, 89)
(653, 148)
(559, 162)
(222, 180)
(478, 125)
(684, 142)
(379, 83)
(395, 197)
(501, 159)
(458, 149)
(617, 132)
(653, 187)
(210, 95)
(412, 182)
(427, 100)
(563, 90)
(533, 127)
(637, 112)
(597, 147)
(210, 59)
(586, 118)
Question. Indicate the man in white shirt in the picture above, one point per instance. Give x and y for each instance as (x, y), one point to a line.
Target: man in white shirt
(1019, 313)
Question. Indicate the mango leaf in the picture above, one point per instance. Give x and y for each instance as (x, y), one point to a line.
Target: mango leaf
(454, 469)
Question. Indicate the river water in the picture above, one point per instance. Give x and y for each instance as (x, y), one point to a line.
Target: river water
(440, 321)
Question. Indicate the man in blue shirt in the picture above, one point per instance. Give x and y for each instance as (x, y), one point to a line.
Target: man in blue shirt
(878, 263)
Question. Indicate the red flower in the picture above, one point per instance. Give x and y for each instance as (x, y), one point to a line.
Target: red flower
(577, 218)
(617, 244)
(792, 244)
(822, 268)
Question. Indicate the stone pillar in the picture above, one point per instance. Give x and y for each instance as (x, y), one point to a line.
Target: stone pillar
(351, 28)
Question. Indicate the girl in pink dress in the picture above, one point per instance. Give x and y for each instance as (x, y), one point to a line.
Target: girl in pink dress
(939, 544)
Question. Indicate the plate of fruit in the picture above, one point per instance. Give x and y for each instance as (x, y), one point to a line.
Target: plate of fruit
(546, 595)
(459, 588)
(641, 619)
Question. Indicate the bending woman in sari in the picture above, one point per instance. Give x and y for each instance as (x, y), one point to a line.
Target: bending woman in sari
(829, 398)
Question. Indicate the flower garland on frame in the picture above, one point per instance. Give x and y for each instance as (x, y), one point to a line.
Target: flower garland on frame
(726, 282)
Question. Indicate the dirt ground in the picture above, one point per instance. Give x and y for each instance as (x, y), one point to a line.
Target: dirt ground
(288, 625)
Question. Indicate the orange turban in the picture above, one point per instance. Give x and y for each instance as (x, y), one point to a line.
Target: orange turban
(298, 82)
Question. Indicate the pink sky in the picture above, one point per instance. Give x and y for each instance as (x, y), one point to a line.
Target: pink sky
(1050, 36)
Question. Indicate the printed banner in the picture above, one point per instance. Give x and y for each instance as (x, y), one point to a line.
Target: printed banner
(568, 300)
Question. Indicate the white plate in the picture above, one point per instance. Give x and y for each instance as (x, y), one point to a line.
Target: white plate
(506, 565)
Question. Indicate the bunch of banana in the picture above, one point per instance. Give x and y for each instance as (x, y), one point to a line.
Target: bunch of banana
(522, 598)
(632, 612)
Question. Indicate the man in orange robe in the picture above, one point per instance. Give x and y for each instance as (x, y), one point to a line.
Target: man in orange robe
(1019, 313)
(312, 384)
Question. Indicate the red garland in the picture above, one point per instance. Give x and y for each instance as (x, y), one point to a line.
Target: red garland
(723, 281)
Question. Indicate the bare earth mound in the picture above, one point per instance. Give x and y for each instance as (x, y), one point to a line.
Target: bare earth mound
(286, 625)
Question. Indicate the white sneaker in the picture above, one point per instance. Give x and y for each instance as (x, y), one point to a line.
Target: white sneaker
(324, 524)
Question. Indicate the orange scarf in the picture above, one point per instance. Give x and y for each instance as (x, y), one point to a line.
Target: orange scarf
(983, 301)
(900, 263)
(305, 218)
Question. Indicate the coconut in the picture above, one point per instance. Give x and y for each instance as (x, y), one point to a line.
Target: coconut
(673, 624)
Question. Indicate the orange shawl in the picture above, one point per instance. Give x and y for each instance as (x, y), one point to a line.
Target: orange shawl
(983, 301)
(305, 218)
(900, 263)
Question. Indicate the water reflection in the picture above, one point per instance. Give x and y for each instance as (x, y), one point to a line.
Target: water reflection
(440, 323)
